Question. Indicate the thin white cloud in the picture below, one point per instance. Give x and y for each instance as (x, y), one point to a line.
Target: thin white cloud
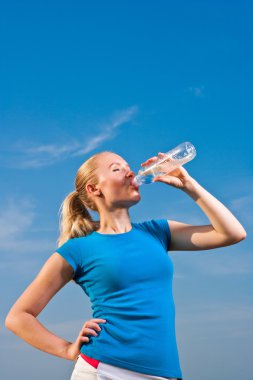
(24, 155)
(21, 251)
(107, 130)
(243, 206)
(16, 216)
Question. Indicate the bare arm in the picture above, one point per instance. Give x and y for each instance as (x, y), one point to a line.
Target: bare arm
(187, 237)
(224, 229)
(21, 319)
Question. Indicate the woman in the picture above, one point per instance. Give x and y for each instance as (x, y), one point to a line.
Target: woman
(124, 268)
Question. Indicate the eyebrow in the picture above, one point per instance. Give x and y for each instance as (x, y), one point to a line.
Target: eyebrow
(116, 163)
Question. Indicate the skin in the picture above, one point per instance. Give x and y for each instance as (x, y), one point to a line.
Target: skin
(114, 196)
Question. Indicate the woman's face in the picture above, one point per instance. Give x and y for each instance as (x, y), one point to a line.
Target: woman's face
(115, 181)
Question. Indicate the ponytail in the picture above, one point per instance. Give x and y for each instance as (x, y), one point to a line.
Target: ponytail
(75, 219)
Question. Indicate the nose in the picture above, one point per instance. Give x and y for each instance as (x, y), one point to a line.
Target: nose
(130, 174)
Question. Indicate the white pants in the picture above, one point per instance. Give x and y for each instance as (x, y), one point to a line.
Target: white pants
(85, 371)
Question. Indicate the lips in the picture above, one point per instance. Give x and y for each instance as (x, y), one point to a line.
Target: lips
(134, 185)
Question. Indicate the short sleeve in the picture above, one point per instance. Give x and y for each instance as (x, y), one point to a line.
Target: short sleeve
(160, 229)
(70, 252)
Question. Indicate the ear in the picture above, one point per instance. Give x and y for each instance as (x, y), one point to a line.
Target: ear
(92, 189)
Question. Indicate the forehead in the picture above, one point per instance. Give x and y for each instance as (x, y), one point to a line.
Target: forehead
(107, 159)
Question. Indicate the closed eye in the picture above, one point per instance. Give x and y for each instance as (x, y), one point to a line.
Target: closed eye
(115, 170)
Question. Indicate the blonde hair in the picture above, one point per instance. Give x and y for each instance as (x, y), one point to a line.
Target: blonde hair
(75, 219)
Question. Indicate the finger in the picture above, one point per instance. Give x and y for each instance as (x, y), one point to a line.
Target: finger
(95, 326)
(94, 320)
(91, 322)
(84, 339)
(149, 160)
(87, 331)
(154, 158)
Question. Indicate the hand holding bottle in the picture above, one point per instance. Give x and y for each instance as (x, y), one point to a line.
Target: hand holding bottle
(178, 177)
(167, 167)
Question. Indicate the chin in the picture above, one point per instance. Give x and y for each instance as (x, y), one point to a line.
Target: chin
(137, 199)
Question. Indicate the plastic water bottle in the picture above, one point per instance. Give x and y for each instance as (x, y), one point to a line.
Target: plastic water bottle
(173, 158)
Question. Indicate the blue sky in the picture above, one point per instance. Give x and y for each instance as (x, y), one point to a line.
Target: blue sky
(134, 77)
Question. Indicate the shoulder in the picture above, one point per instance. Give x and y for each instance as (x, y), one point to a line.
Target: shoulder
(70, 247)
(159, 228)
(153, 225)
(70, 243)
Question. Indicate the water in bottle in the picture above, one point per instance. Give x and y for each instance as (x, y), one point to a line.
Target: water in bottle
(172, 159)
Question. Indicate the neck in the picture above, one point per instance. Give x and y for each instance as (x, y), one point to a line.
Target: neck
(115, 222)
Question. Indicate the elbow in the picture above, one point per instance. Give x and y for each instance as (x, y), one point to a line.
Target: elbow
(240, 237)
(234, 239)
(11, 322)
(244, 235)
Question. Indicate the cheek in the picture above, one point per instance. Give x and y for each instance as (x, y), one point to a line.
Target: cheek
(111, 182)
(116, 180)
(115, 187)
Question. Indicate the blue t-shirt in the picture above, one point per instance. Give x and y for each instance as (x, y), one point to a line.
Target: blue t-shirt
(128, 278)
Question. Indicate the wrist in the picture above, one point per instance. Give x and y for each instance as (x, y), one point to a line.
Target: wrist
(66, 352)
(191, 187)
(190, 184)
